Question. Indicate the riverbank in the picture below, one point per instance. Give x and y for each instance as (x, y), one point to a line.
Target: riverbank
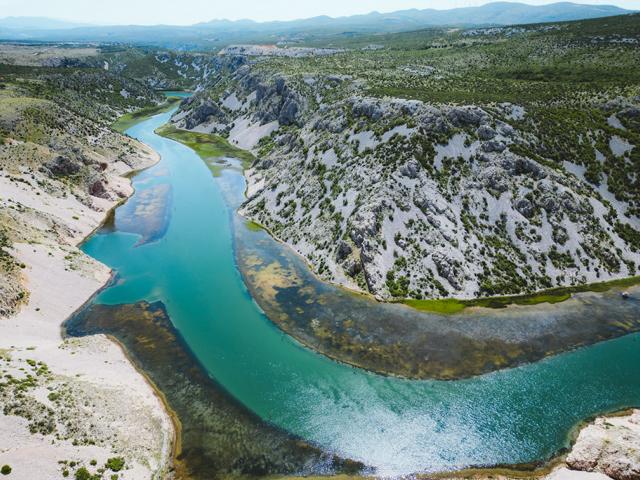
(72, 403)
(408, 340)
(208, 146)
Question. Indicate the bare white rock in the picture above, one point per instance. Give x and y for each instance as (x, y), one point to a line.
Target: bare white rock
(610, 445)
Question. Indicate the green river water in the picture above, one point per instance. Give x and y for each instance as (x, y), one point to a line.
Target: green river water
(396, 426)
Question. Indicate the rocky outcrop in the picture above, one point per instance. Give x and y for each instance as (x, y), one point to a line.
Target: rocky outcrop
(343, 251)
(62, 166)
(525, 207)
(202, 110)
(368, 108)
(447, 268)
(610, 445)
(265, 99)
(467, 116)
(410, 169)
(277, 101)
(98, 189)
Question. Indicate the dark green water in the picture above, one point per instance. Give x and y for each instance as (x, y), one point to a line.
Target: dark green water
(398, 426)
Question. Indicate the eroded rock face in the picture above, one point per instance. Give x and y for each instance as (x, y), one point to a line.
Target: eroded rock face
(465, 116)
(415, 217)
(367, 108)
(411, 169)
(98, 189)
(276, 101)
(494, 146)
(485, 132)
(205, 111)
(447, 268)
(343, 251)
(352, 267)
(523, 166)
(431, 210)
(525, 207)
(289, 111)
(494, 178)
(610, 446)
(363, 225)
(63, 166)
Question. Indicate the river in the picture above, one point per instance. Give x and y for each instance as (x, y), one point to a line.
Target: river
(397, 426)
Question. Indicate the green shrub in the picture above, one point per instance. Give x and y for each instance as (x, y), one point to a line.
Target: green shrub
(82, 474)
(115, 464)
(5, 470)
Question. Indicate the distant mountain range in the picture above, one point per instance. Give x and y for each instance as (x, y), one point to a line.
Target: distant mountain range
(221, 32)
(498, 13)
(37, 23)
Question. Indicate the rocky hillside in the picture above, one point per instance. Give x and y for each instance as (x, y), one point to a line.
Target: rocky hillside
(62, 169)
(425, 198)
(50, 154)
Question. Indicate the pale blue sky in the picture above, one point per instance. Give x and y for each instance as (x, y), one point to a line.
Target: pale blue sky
(184, 12)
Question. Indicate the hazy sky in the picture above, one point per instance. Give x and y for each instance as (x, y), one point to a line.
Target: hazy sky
(148, 12)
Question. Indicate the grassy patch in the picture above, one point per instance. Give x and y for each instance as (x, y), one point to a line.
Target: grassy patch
(554, 295)
(543, 298)
(445, 305)
(125, 122)
(253, 226)
(206, 145)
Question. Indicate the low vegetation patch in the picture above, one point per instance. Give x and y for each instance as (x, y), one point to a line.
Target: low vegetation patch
(554, 295)
(129, 120)
(206, 145)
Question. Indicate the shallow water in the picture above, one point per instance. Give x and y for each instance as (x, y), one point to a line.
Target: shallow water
(397, 426)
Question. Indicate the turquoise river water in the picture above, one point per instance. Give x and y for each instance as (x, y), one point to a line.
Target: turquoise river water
(396, 426)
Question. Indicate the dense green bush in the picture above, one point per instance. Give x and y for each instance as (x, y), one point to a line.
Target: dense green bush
(115, 464)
